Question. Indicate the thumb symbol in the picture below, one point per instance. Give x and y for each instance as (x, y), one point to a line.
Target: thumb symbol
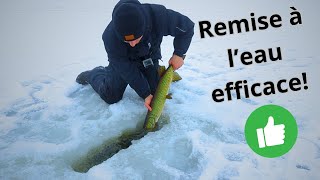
(270, 122)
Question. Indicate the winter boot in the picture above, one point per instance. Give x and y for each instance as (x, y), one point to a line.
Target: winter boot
(83, 78)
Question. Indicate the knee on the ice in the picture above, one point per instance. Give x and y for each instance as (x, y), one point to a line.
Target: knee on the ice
(112, 100)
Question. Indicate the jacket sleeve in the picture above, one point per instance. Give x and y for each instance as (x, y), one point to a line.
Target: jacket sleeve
(180, 27)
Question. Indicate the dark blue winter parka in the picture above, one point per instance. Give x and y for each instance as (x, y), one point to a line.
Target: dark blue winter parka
(160, 22)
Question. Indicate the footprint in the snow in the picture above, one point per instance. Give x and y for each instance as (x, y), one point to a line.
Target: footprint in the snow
(31, 107)
(234, 156)
(231, 136)
(10, 113)
(304, 167)
(181, 156)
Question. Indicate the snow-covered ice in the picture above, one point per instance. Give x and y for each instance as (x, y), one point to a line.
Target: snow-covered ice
(47, 120)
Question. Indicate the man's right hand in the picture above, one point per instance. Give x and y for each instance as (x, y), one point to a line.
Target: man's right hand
(176, 62)
(147, 102)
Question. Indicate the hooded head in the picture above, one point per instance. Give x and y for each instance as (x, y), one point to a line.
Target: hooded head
(129, 20)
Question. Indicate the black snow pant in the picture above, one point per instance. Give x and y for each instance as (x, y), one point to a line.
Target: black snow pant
(107, 83)
(110, 86)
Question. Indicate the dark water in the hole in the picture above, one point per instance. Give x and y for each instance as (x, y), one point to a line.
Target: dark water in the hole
(112, 146)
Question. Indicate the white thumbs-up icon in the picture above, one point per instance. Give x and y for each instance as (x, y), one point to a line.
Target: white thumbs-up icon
(271, 135)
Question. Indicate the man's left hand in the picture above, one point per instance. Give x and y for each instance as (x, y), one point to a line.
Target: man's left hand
(176, 62)
(147, 102)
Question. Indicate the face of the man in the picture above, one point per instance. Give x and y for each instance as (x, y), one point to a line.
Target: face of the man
(134, 42)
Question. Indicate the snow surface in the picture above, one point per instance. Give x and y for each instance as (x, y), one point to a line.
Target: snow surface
(47, 120)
